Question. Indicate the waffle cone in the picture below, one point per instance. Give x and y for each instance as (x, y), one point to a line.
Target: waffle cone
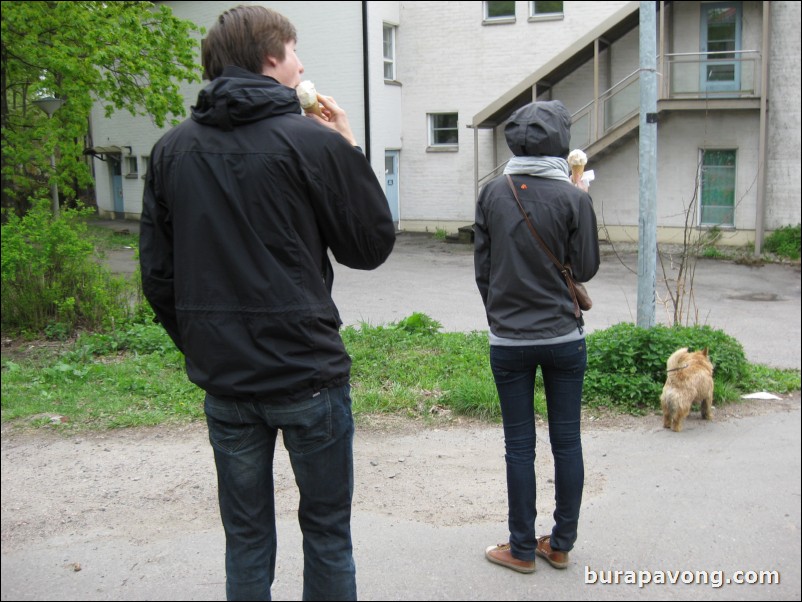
(576, 172)
(313, 109)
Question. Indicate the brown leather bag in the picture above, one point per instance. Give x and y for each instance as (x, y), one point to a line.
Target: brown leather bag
(579, 294)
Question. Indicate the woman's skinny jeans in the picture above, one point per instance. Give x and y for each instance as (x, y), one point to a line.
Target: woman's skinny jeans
(563, 368)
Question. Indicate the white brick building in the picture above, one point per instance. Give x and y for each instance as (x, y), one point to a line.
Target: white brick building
(428, 85)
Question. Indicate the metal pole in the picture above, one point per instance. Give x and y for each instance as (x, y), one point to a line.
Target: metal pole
(647, 161)
(50, 105)
(760, 206)
(53, 185)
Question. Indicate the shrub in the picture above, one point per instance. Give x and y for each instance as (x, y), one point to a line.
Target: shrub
(627, 364)
(52, 279)
(785, 241)
(418, 323)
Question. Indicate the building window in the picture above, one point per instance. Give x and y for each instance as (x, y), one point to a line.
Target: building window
(145, 165)
(132, 165)
(545, 10)
(499, 12)
(443, 130)
(717, 188)
(389, 52)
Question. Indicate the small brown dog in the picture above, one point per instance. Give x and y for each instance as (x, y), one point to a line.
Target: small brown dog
(689, 379)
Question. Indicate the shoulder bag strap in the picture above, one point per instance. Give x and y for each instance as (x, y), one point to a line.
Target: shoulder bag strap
(560, 266)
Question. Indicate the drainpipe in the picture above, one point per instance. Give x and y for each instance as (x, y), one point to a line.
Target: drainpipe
(366, 78)
(475, 163)
(760, 208)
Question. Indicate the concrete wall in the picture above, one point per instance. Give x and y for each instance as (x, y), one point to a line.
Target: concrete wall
(452, 62)
(386, 125)
(680, 136)
(783, 154)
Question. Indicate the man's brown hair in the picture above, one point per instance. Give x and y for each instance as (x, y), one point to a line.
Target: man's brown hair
(244, 36)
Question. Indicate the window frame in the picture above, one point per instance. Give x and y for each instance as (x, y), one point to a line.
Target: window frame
(536, 16)
(703, 168)
(488, 20)
(131, 161)
(391, 60)
(432, 130)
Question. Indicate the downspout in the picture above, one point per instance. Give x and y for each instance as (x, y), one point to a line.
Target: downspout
(475, 163)
(760, 208)
(365, 77)
(663, 87)
(596, 130)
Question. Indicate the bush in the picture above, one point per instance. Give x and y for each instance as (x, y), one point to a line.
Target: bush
(627, 364)
(52, 279)
(785, 241)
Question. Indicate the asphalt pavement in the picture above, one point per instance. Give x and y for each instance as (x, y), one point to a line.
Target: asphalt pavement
(703, 515)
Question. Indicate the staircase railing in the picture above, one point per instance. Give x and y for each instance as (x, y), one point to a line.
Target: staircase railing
(688, 75)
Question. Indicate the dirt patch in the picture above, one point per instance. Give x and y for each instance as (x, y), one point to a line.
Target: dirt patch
(135, 483)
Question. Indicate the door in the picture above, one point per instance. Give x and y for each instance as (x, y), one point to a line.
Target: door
(720, 43)
(391, 158)
(115, 167)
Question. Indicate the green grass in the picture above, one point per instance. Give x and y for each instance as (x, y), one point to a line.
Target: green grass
(134, 376)
(107, 239)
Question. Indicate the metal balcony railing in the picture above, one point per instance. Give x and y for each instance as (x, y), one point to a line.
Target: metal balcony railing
(687, 75)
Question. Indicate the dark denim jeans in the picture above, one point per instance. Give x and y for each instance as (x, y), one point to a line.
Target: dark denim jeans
(318, 434)
(563, 367)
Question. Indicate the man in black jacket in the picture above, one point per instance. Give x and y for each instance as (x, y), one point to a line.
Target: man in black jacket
(242, 204)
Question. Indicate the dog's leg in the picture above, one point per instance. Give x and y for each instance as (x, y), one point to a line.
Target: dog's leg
(666, 415)
(707, 408)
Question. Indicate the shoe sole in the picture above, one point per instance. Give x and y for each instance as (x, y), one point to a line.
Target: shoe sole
(514, 567)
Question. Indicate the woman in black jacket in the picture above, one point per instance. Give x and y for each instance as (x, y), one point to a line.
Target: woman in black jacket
(533, 322)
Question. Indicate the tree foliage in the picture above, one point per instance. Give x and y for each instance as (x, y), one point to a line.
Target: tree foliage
(123, 55)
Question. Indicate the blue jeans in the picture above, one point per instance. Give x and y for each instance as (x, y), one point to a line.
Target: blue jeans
(563, 367)
(318, 434)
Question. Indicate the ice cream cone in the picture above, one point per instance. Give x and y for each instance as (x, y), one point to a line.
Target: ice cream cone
(577, 159)
(308, 97)
(313, 109)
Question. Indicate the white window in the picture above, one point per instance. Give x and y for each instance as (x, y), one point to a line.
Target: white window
(389, 52)
(499, 12)
(545, 10)
(132, 166)
(443, 130)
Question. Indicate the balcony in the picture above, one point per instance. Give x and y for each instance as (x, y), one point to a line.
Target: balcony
(689, 81)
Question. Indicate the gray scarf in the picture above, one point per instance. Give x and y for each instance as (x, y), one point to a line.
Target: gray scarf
(555, 168)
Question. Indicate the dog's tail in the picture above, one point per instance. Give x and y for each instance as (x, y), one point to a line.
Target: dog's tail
(677, 359)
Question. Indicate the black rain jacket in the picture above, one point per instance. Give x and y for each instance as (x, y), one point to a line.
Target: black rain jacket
(525, 295)
(242, 204)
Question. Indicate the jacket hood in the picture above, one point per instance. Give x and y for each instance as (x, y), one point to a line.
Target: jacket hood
(539, 129)
(239, 97)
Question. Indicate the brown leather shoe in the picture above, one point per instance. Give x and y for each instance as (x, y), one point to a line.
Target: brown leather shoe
(557, 559)
(502, 554)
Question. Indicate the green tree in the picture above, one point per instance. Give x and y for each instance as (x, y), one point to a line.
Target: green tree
(125, 55)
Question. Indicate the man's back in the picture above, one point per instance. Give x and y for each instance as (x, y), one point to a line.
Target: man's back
(252, 194)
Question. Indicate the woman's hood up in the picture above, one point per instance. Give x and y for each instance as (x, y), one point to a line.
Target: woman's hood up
(539, 129)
